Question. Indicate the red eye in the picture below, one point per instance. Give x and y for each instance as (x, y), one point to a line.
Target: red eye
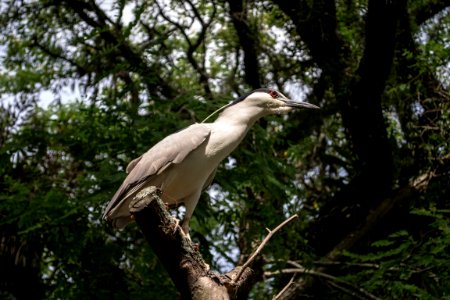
(273, 93)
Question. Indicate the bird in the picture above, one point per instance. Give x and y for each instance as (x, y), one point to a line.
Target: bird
(184, 164)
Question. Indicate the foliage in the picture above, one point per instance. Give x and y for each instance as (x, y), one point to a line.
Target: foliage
(408, 265)
(86, 86)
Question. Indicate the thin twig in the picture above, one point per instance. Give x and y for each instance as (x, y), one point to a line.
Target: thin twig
(277, 296)
(336, 263)
(345, 290)
(261, 246)
(341, 284)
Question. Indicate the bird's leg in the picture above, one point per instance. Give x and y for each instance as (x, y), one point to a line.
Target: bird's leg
(185, 227)
(190, 203)
(185, 232)
(177, 221)
(177, 224)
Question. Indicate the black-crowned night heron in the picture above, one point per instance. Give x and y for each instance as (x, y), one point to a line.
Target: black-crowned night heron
(183, 164)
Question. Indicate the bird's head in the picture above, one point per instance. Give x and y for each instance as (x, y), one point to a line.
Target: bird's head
(272, 101)
(262, 102)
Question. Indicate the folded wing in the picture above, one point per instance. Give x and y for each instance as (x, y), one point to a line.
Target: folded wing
(171, 150)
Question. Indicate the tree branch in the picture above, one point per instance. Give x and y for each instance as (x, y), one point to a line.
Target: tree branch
(248, 40)
(186, 267)
(262, 245)
(277, 296)
(379, 213)
(342, 285)
(112, 36)
(194, 45)
(423, 13)
(373, 219)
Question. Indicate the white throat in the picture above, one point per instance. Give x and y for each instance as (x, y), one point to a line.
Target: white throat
(230, 129)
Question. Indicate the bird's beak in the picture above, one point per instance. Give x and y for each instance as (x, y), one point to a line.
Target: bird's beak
(297, 104)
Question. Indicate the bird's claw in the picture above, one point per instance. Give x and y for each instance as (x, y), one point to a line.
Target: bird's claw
(175, 226)
(178, 226)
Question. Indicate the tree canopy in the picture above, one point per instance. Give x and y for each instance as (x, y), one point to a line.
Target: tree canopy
(88, 85)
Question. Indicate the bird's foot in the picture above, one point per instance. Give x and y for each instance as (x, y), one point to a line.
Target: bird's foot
(175, 226)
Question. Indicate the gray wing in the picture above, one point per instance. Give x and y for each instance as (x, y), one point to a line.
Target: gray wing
(133, 164)
(171, 150)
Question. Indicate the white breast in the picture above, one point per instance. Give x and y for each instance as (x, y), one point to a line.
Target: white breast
(200, 163)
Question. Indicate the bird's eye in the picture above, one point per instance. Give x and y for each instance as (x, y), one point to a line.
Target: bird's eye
(274, 94)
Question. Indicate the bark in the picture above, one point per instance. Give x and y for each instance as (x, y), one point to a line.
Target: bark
(363, 118)
(248, 40)
(186, 267)
(358, 94)
(348, 216)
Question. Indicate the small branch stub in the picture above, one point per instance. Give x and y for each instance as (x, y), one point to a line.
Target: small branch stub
(143, 199)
